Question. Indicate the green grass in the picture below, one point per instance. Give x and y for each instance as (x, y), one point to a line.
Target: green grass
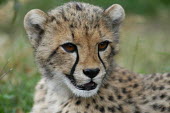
(144, 48)
(17, 86)
(145, 45)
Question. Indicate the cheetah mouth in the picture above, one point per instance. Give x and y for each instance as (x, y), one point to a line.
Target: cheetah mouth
(88, 86)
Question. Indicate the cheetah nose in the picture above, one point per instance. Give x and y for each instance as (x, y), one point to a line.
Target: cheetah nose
(91, 72)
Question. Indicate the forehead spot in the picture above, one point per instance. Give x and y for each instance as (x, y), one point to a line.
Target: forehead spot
(78, 7)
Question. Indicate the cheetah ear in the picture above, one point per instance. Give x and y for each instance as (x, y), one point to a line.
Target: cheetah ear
(34, 23)
(116, 13)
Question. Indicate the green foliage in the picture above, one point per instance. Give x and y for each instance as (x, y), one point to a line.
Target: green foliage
(17, 86)
(3, 1)
(131, 6)
(141, 7)
(165, 2)
(17, 96)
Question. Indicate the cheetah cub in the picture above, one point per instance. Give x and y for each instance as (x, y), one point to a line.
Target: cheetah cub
(74, 47)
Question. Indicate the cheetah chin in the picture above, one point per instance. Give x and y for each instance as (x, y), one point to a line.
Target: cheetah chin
(86, 90)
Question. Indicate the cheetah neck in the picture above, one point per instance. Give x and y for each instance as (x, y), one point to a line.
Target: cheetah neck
(57, 95)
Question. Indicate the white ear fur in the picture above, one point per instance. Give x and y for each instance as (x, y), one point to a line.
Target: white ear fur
(116, 13)
(34, 22)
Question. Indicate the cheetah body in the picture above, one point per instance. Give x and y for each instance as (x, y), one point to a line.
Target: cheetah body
(124, 92)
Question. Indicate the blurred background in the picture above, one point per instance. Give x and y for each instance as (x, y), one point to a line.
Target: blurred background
(144, 45)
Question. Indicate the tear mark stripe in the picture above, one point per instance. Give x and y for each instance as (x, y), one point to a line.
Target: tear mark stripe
(75, 64)
(101, 60)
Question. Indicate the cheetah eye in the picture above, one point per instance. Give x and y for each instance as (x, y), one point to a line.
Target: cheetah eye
(103, 45)
(69, 47)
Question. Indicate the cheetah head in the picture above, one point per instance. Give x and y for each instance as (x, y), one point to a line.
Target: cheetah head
(75, 43)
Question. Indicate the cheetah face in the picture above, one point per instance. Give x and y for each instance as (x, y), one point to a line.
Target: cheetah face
(88, 69)
(75, 44)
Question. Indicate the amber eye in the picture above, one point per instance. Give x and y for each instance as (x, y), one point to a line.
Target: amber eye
(69, 47)
(103, 45)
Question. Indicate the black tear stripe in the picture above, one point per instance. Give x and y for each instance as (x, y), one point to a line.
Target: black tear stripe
(75, 64)
(101, 60)
(70, 76)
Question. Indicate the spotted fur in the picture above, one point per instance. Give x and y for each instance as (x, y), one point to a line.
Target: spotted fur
(65, 87)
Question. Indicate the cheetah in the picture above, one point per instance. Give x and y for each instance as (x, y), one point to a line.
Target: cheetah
(74, 46)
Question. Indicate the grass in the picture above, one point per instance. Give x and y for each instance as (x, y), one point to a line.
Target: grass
(17, 86)
(145, 45)
(144, 48)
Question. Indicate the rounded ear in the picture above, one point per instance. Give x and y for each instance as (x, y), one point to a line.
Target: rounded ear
(116, 13)
(34, 24)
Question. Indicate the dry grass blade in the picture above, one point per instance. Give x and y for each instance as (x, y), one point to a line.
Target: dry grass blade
(2, 72)
(135, 54)
(5, 73)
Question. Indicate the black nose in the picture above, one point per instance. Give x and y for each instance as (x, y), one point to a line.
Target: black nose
(91, 72)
